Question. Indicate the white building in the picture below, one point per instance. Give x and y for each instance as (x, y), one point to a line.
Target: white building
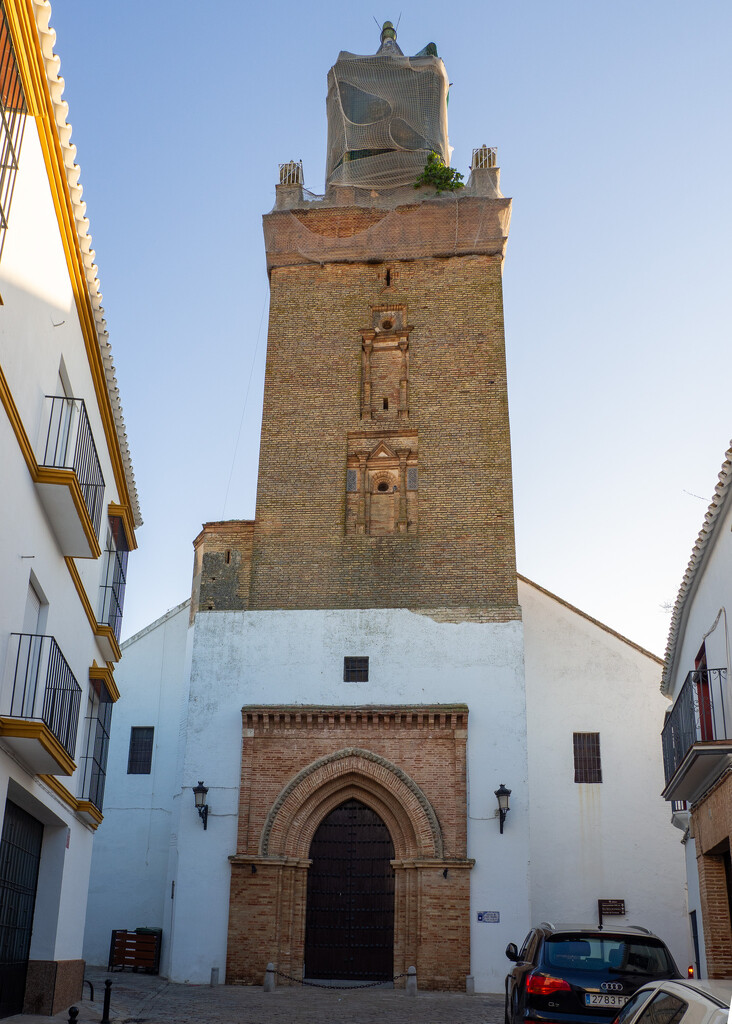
(69, 513)
(697, 736)
(362, 659)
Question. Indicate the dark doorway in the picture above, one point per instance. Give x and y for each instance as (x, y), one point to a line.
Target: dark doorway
(349, 929)
(20, 855)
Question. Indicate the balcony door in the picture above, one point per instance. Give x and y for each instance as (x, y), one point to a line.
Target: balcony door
(20, 855)
(703, 696)
(30, 651)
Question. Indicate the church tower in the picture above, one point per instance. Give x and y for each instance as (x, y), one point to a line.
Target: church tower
(374, 597)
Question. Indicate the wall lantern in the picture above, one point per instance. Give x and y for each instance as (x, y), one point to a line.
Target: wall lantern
(199, 792)
(502, 795)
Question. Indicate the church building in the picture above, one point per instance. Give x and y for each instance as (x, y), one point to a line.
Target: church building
(405, 753)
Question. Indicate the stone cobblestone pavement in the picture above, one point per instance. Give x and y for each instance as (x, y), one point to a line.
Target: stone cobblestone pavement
(140, 999)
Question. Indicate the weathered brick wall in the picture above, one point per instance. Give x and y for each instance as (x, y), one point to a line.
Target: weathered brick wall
(222, 564)
(711, 826)
(269, 871)
(462, 555)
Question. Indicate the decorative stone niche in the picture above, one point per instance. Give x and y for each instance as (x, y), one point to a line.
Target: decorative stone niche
(382, 484)
(385, 365)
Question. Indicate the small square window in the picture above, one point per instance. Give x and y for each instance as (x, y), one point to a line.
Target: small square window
(139, 759)
(355, 670)
(587, 766)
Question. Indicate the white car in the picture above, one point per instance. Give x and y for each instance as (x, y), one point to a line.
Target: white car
(674, 1002)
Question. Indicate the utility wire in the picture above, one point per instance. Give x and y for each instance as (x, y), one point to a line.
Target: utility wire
(246, 398)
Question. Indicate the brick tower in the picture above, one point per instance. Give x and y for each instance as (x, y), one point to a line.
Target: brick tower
(374, 597)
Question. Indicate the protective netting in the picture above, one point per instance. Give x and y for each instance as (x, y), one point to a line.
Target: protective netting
(386, 114)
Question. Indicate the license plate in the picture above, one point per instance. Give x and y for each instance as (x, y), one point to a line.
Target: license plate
(600, 999)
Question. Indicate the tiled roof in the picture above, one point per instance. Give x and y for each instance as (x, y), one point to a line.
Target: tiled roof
(56, 84)
(698, 556)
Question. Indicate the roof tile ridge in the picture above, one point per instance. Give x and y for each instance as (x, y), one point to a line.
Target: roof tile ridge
(56, 85)
(695, 562)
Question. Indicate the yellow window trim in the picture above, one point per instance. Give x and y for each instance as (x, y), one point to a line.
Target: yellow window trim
(98, 628)
(79, 806)
(29, 55)
(105, 674)
(22, 728)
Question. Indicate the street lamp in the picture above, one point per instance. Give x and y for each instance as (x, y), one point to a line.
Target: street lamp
(502, 795)
(199, 793)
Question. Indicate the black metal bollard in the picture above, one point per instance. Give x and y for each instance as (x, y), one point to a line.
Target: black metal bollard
(73, 1014)
(107, 998)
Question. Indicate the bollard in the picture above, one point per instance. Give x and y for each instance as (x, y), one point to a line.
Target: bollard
(73, 1014)
(412, 981)
(214, 977)
(107, 997)
(91, 988)
(269, 978)
(470, 985)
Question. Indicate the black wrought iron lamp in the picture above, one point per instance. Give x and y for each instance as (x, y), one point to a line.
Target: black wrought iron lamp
(502, 796)
(199, 792)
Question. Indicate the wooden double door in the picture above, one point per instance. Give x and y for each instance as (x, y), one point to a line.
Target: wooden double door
(349, 930)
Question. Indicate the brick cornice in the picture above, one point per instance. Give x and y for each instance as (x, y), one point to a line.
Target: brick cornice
(279, 717)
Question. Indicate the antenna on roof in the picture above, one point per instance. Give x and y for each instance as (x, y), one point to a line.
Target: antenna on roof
(398, 20)
(377, 24)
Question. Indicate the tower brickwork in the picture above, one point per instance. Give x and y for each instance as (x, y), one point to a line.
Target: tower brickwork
(385, 469)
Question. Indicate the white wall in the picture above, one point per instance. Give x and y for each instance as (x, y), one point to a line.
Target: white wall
(611, 840)
(39, 328)
(127, 887)
(297, 657)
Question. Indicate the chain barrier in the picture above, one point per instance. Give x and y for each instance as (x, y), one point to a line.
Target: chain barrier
(314, 984)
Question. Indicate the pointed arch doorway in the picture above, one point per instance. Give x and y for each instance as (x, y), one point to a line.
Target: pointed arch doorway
(349, 925)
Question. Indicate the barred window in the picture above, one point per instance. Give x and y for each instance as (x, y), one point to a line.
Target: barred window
(587, 766)
(12, 121)
(114, 580)
(139, 760)
(355, 670)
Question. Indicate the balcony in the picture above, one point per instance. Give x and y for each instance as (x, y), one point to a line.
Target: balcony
(39, 705)
(697, 736)
(69, 481)
(94, 762)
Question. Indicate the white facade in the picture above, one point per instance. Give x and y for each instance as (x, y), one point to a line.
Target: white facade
(698, 730)
(564, 845)
(57, 396)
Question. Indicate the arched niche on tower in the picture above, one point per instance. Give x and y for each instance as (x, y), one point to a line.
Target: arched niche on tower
(382, 483)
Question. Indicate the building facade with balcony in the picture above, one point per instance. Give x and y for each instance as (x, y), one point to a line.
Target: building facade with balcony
(69, 514)
(697, 734)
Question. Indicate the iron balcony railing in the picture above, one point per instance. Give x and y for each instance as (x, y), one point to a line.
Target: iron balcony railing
(70, 445)
(94, 761)
(43, 687)
(701, 714)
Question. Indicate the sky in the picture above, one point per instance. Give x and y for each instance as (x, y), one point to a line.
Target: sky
(612, 123)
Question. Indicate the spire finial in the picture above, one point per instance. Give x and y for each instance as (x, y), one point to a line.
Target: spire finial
(388, 31)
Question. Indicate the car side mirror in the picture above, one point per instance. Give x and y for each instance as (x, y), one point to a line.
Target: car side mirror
(512, 952)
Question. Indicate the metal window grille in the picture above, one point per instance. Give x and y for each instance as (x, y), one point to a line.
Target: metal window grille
(587, 767)
(139, 760)
(351, 480)
(115, 576)
(412, 478)
(95, 760)
(70, 445)
(12, 121)
(355, 670)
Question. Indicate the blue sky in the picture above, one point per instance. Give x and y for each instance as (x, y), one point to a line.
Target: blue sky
(612, 123)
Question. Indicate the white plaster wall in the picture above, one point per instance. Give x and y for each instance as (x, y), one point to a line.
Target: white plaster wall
(39, 327)
(297, 657)
(612, 840)
(128, 884)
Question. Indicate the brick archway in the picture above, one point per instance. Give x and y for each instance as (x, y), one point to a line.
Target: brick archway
(352, 772)
(407, 764)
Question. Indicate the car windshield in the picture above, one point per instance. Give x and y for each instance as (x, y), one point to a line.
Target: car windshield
(613, 953)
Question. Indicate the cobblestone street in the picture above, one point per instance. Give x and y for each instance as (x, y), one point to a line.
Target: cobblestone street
(139, 999)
